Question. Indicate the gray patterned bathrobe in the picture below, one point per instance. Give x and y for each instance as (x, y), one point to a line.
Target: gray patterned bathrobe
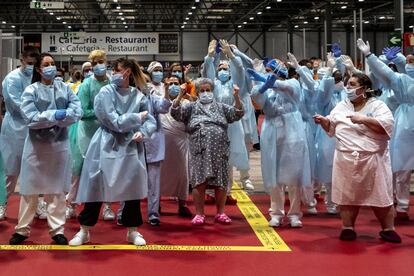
(209, 143)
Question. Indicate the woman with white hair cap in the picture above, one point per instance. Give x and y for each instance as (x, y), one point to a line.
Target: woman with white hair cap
(156, 72)
(87, 70)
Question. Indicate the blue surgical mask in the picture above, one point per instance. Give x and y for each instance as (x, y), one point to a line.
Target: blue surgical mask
(49, 73)
(88, 74)
(223, 75)
(409, 69)
(117, 79)
(178, 74)
(157, 76)
(206, 97)
(99, 70)
(28, 70)
(174, 90)
(58, 79)
(351, 94)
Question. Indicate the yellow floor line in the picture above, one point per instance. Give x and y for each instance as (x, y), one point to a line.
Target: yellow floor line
(266, 234)
(268, 237)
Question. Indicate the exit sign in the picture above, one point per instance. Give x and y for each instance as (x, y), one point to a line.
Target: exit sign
(47, 5)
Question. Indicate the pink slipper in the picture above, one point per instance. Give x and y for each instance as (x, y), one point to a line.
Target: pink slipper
(198, 220)
(222, 218)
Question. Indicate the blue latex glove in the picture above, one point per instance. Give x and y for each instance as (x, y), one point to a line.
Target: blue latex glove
(391, 53)
(277, 68)
(255, 76)
(60, 114)
(268, 84)
(265, 60)
(336, 50)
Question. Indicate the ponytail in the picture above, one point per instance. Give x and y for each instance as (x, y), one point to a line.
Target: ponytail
(137, 77)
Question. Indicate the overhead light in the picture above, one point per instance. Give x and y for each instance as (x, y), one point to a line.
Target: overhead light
(259, 13)
(4, 22)
(382, 17)
(122, 18)
(221, 10)
(51, 13)
(187, 18)
(124, 23)
(343, 7)
(193, 7)
(43, 8)
(239, 26)
(197, 1)
(58, 18)
(118, 7)
(190, 13)
(244, 22)
(69, 27)
(115, 1)
(64, 22)
(316, 17)
(214, 17)
(126, 27)
(296, 26)
(251, 18)
(412, 26)
(182, 27)
(360, 0)
(120, 13)
(13, 26)
(366, 22)
(305, 22)
(268, 7)
(185, 23)
(279, 0)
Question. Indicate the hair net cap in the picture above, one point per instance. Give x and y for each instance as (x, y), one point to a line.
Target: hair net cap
(86, 64)
(153, 65)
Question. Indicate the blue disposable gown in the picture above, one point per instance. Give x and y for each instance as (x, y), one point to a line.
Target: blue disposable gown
(283, 144)
(155, 145)
(223, 93)
(114, 168)
(13, 128)
(249, 119)
(327, 98)
(46, 166)
(402, 142)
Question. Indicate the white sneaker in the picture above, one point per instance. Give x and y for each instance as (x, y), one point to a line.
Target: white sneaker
(107, 213)
(295, 222)
(275, 221)
(41, 211)
(70, 212)
(312, 211)
(3, 209)
(135, 238)
(248, 185)
(332, 210)
(80, 238)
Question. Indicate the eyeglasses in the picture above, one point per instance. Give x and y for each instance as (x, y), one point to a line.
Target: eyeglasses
(220, 69)
(174, 83)
(87, 70)
(202, 91)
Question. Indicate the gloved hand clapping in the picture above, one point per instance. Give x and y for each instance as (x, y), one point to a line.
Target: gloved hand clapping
(268, 84)
(293, 61)
(336, 50)
(255, 76)
(60, 114)
(391, 53)
(364, 48)
(330, 61)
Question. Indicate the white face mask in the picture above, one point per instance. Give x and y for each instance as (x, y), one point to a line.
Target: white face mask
(351, 93)
(206, 97)
(409, 69)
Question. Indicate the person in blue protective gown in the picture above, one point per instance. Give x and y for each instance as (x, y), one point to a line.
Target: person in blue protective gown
(228, 75)
(87, 126)
(207, 120)
(14, 128)
(114, 167)
(402, 142)
(48, 107)
(283, 143)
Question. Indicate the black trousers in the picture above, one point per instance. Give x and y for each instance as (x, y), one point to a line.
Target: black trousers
(131, 214)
